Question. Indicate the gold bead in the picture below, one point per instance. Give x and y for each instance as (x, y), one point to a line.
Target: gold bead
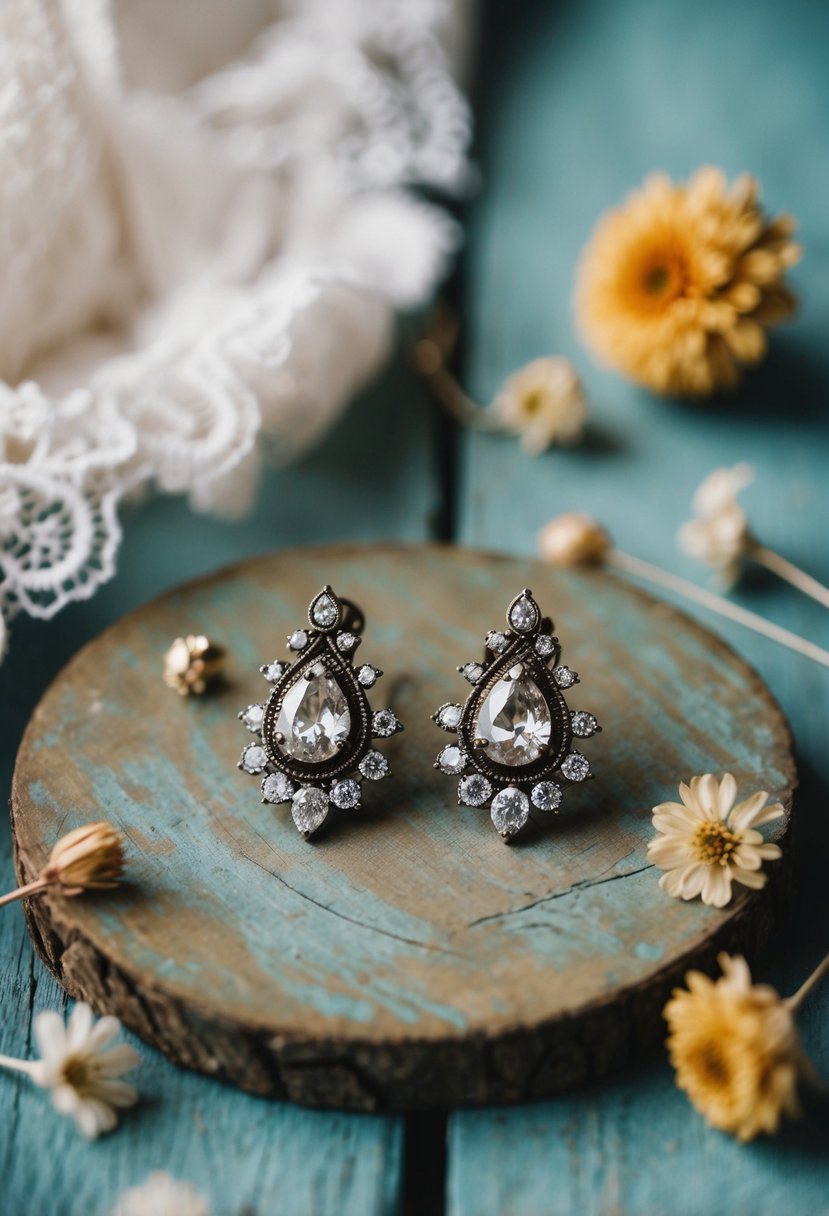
(193, 664)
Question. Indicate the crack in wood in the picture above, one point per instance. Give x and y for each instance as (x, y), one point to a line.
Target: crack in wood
(583, 885)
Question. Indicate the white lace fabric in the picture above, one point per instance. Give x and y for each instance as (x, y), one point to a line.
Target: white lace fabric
(201, 259)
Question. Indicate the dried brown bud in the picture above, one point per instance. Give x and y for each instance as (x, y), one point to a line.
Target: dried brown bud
(574, 540)
(192, 664)
(90, 858)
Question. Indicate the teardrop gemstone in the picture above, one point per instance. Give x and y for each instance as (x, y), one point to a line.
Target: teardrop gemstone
(515, 720)
(314, 718)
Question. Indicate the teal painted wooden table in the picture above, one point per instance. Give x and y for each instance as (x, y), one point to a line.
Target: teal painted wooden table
(577, 103)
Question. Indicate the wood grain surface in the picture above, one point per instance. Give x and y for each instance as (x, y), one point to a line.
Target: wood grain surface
(408, 959)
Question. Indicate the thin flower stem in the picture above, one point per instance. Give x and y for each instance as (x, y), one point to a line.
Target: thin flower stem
(716, 603)
(27, 1066)
(796, 999)
(31, 888)
(790, 572)
(430, 361)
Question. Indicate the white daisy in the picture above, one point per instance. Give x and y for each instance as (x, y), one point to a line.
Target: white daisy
(82, 1067)
(718, 536)
(705, 842)
(544, 403)
(162, 1195)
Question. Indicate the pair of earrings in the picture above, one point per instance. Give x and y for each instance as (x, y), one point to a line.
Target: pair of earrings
(317, 735)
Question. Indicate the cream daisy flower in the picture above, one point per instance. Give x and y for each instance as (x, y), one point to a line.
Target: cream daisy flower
(736, 1050)
(162, 1195)
(542, 402)
(82, 1067)
(718, 535)
(705, 842)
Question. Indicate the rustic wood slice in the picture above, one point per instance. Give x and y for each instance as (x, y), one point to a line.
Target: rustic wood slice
(408, 958)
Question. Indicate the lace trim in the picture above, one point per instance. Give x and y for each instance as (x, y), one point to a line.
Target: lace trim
(245, 244)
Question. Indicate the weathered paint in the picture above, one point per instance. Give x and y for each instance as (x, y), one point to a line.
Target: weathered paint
(580, 102)
(409, 919)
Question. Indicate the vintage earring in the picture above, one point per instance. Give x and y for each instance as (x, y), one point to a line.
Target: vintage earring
(316, 728)
(515, 732)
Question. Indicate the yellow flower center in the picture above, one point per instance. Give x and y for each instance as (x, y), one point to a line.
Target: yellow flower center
(710, 1065)
(532, 402)
(77, 1073)
(657, 270)
(714, 844)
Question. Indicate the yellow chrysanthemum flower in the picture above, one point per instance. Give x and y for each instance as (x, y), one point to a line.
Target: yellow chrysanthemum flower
(736, 1050)
(677, 286)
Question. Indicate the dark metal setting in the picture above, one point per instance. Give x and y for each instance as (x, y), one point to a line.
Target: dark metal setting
(515, 731)
(332, 717)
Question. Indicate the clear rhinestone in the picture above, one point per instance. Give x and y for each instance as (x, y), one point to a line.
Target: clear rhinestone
(448, 716)
(314, 718)
(367, 675)
(523, 615)
(451, 760)
(346, 641)
(510, 810)
(324, 611)
(472, 672)
(384, 723)
(345, 794)
(309, 808)
(374, 766)
(298, 639)
(253, 758)
(252, 717)
(544, 645)
(277, 788)
(515, 720)
(584, 724)
(576, 767)
(546, 795)
(273, 671)
(496, 641)
(564, 677)
(474, 790)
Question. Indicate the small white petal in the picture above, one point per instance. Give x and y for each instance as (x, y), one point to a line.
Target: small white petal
(747, 856)
(94, 1118)
(769, 852)
(118, 1059)
(116, 1093)
(50, 1035)
(692, 880)
(672, 883)
(673, 825)
(749, 878)
(65, 1099)
(79, 1026)
(708, 796)
(103, 1032)
(716, 887)
(668, 854)
(753, 812)
(727, 794)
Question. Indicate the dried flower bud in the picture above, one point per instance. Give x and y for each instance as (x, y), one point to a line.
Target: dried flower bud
(193, 663)
(574, 540)
(90, 858)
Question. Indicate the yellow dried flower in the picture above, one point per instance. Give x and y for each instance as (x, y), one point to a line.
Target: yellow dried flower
(192, 664)
(736, 1050)
(90, 858)
(677, 286)
(574, 540)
